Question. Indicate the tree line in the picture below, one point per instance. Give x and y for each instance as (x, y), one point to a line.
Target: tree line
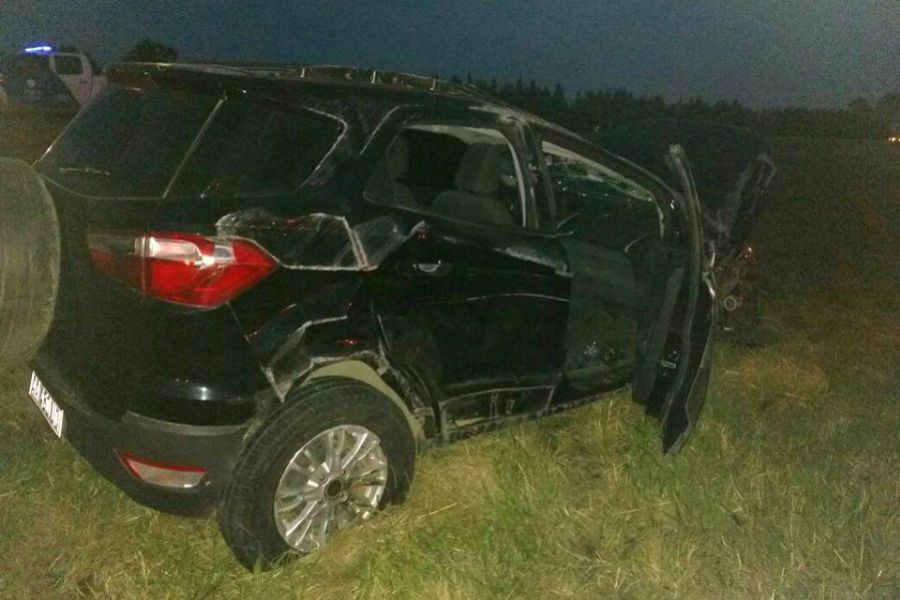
(594, 112)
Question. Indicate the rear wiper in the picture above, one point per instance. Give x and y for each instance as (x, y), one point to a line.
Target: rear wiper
(83, 170)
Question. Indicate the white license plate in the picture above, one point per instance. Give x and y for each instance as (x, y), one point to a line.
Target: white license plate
(46, 404)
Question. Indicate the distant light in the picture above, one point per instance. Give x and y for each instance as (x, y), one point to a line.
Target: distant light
(38, 49)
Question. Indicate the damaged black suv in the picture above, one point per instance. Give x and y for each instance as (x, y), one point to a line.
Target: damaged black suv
(277, 283)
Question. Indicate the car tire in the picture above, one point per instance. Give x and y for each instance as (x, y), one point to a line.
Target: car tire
(247, 515)
(29, 261)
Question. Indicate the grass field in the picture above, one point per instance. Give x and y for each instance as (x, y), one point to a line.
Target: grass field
(25, 134)
(789, 489)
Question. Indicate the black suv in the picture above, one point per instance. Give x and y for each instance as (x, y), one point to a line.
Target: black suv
(277, 283)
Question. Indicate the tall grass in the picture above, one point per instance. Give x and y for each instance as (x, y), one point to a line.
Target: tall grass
(25, 133)
(789, 489)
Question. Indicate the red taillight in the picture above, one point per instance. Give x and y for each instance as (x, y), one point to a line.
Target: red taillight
(185, 268)
(161, 473)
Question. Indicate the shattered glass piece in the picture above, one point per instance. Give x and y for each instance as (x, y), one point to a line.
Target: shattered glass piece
(379, 237)
(536, 256)
(313, 241)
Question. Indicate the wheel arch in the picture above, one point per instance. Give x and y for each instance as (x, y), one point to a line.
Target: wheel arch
(363, 373)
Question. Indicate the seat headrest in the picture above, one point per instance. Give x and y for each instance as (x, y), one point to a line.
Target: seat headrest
(479, 170)
(397, 158)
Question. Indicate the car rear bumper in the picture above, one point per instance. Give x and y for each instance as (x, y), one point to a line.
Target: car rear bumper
(101, 439)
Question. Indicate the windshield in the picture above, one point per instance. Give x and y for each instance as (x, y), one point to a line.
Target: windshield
(28, 65)
(129, 143)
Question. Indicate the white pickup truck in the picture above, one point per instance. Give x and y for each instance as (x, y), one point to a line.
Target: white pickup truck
(44, 76)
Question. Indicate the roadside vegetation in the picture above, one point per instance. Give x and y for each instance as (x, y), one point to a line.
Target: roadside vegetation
(24, 133)
(789, 489)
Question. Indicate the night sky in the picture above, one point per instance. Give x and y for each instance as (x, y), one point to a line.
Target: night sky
(761, 52)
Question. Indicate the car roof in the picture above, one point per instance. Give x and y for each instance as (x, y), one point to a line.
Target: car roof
(369, 82)
(332, 75)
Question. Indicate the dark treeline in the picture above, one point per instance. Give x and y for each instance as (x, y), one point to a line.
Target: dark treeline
(594, 112)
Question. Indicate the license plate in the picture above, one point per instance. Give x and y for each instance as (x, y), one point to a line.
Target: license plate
(46, 404)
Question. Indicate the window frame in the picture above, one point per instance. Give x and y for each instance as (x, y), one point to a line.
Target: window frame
(465, 120)
(592, 154)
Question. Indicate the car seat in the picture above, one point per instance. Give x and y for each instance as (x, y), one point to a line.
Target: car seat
(385, 182)
(477, 181)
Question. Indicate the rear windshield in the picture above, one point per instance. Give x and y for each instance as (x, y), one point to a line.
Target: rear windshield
(128, 143)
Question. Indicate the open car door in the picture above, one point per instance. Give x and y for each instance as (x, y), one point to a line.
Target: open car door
(673, 373)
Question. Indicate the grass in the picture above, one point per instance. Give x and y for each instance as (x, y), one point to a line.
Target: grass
(25, 134)
(789, 489)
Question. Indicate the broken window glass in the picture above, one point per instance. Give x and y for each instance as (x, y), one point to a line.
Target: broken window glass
(578, 181)
(465, 173)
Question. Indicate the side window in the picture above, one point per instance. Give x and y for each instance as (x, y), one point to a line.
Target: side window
(67, 65)
(581, 184)
(256, 148)
(459, 172)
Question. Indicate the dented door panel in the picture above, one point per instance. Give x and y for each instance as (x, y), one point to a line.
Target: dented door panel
(690, 339)
(493, 303)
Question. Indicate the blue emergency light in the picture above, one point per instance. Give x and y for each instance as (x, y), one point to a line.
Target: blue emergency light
(39, 49)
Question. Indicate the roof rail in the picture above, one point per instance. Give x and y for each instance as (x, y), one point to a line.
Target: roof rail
(338, 73)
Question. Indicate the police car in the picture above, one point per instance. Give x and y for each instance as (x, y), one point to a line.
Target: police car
(43, 76)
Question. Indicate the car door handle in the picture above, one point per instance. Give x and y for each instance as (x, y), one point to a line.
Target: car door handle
(434, 269)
